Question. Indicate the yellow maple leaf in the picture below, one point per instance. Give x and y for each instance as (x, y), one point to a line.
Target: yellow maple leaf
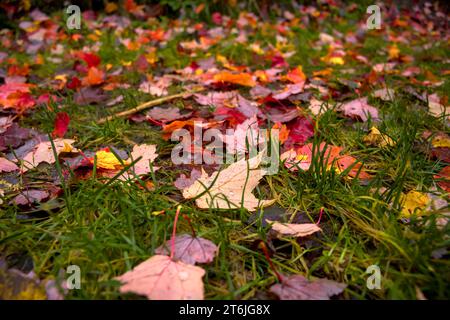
(107, 160)
(376, 138)
(413, 202)
(393, 51)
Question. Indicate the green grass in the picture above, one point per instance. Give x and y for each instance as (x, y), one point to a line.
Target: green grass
(109, 229)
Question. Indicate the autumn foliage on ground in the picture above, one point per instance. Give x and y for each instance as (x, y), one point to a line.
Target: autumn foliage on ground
(87, 176)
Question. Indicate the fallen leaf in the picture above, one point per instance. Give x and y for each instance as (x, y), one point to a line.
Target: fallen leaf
(243, 79)
(376, 138)
(94, 77)
(166, 114)
(384, 94)
(190, 250)
(142, 167)
(43, 152)
(359, 108)
(229, 188)
(444, 177)
(105, 159)
(296, 75)
(182, 182)
(297, 287)
(30, 196)
(161, 278)
(294, 229)
(7, 166)
(413, 202)
(62, 121)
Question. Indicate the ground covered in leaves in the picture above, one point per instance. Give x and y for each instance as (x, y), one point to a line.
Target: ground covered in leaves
(362, 177)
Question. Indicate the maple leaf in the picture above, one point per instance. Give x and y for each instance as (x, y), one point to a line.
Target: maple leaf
(30, 196)
(359, 108)
(294, 229)
(296, 75)
(183, 181)
(413, 202)
(141, 167)
(297, 287)
(243, 79)
(229, 188)
(161, 278)
(43, 152)
(95, 76)
(7, 166)
(62, 121)
(444, 177)
(190, 249)
(376, 138)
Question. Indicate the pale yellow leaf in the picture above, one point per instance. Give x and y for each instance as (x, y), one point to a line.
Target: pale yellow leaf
(229, 188)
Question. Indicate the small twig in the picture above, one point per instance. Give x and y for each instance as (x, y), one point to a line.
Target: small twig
(149, 104)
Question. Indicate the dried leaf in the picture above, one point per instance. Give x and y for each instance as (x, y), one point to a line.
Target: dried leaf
(160, 278)
(190, 250)
(359, 108)
(7, 166)
(43, 152)
(62, 121)
(376, 138)
(297, 287)
(243, 79)
(294, 229)
(413, 202)
(30, 196)
(229, 188)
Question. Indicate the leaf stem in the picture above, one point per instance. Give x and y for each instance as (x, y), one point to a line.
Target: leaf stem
(190, 225)
(263, 246)
(172, 249)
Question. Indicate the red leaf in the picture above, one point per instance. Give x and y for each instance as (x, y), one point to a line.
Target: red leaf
(92, 60)
(61, 124)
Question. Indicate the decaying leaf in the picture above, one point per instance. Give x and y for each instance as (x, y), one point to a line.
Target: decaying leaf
(190, 250)
(294, 229)
(161, 278)
(229, 188)
(297, 287)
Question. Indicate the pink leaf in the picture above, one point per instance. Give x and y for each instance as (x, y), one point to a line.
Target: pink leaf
(297, 287)
(359, 108)
(160, 278)
(191, 250)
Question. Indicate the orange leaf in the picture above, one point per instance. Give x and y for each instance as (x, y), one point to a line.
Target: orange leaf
(243, 79)
(296, 75)
(95, 76)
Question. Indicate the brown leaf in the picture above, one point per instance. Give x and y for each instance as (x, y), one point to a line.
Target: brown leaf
(190, 250)
(160, 278)
(297, 287)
